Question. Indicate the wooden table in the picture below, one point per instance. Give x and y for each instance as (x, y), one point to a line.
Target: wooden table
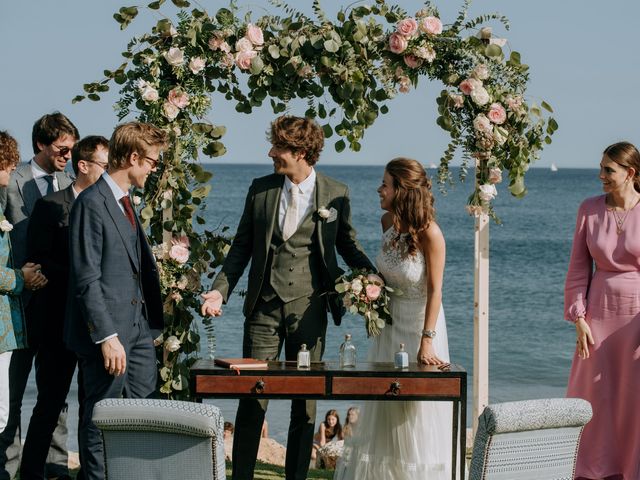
(326, 381)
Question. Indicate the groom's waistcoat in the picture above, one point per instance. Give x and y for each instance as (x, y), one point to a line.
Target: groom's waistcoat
(293, 268)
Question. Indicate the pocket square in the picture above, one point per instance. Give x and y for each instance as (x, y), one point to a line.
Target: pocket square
(333, 215)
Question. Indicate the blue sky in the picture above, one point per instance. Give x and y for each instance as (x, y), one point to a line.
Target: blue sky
(583, 56)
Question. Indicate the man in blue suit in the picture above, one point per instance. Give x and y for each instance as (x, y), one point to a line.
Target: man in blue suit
(114, 293)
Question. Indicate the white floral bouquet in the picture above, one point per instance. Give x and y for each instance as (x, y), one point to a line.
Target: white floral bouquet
(364, 293)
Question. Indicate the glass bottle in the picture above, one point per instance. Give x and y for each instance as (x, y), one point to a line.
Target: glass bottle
(304, 358)
(347, 353)
(401, 358)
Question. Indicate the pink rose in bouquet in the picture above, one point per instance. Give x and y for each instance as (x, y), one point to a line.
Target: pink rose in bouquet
(373, 291)
(179, 253)
(407, 27)
(397, 43)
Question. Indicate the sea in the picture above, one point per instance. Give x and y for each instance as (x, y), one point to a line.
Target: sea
(530, 344)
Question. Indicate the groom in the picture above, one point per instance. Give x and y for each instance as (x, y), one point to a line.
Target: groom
(293, 223)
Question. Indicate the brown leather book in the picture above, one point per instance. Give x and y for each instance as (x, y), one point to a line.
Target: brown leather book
(242, 363)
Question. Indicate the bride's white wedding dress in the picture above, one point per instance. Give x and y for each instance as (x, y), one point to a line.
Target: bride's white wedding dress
(401, 440)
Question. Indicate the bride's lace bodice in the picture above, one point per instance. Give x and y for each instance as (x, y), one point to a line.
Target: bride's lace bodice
(401, 271)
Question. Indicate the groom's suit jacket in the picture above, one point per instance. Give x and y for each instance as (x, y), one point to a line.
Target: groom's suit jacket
(113, 279)
(255, 230)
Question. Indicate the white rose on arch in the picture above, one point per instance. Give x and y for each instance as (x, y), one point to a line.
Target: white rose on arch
(172, 344)
(487, 192)
(170, 110)
(174, 57)
(197, 64)
(480, 96)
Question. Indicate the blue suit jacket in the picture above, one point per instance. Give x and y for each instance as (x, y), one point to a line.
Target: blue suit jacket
(109, 287)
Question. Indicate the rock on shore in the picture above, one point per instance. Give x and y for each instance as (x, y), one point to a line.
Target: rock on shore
(270, 451)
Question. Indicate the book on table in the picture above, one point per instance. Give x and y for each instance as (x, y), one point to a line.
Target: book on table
(242, 363)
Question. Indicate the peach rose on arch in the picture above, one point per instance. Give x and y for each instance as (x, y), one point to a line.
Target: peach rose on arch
(178, 98)
(412, 61)
(397, 43)
(407, 27)
(254, 34)
(497, 113)
(431, 25)
(243, 59)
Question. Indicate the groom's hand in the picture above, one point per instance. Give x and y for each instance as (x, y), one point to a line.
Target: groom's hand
(212, 305)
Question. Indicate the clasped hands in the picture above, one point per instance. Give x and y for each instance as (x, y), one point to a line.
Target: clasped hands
(212, 305)
(33, 277)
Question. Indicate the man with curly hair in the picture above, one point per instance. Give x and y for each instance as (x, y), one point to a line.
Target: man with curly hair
(293, 222)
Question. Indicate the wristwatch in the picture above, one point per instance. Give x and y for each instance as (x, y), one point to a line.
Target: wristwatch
(429, 333)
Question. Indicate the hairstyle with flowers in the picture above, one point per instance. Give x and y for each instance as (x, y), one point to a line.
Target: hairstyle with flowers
(413, 201)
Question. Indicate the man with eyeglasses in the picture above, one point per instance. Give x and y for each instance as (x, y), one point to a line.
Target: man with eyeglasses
(114, 291)
(48, 240)
(53, 137)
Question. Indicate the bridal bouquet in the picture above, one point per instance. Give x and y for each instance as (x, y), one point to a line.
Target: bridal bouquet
(364, 293)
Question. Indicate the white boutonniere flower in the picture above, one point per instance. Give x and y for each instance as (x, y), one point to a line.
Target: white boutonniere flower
(324, 213)
(5, 225)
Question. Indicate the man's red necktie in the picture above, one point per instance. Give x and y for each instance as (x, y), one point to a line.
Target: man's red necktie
(128, 210)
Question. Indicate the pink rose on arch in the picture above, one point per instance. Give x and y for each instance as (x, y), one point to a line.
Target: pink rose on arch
(397, 43)
(497, 113)
(170, 110)
(244, 45)
(373, 291)
(407, 27)
(215, 42)
(227, 60)
(412, 61)
(469, 85)
(495, 175)
(431, 25)
(179, 253)
(178, 98)
(197, 64)
(243, 59)
(254, 34)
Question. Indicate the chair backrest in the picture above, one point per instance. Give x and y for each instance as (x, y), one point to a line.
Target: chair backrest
(531, 439)
(161, 439)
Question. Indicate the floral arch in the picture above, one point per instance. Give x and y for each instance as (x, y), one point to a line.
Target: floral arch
(347, 70)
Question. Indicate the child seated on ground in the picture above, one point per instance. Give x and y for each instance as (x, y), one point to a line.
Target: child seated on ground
(330, 430)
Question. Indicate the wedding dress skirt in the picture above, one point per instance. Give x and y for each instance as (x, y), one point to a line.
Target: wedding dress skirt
(401, 440)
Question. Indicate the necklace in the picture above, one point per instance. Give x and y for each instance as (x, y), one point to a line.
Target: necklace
(621, 218)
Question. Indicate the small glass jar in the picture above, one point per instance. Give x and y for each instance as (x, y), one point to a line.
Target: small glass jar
(347, 353)
(304, 358)
(401, 359)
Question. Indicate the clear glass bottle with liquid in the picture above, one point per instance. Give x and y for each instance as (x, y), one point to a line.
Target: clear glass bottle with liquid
(304, 357)
(401, 359)
(347, 353)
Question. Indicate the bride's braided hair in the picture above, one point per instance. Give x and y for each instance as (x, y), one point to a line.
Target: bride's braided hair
(413, 202)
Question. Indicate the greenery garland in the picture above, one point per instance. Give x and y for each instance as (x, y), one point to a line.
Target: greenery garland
(347, 70)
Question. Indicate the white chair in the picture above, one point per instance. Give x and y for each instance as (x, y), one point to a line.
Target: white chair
(532, 439)
(161, 439)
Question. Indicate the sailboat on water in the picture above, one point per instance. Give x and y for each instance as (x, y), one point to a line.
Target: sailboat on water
(553, 167)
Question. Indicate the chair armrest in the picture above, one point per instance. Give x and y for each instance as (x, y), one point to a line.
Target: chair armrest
(152, 415)
(535, 415)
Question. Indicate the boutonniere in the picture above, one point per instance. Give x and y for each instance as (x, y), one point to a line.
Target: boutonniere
(5, 225)
(328, 214)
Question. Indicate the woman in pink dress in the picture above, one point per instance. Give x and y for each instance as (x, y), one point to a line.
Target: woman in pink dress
(604, 304)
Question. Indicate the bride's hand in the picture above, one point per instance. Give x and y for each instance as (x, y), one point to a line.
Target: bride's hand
(427, 354)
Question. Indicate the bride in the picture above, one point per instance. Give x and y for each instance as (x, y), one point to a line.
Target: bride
(406, 440)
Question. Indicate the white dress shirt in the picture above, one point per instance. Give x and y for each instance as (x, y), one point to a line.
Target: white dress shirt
(38, 172)
(305, 200)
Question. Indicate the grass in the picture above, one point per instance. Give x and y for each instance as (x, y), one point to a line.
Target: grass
(264, 471)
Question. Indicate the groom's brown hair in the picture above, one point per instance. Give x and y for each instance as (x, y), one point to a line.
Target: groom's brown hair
(298, 135)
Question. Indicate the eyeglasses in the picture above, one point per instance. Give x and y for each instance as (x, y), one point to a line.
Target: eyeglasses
(100, 164)
(63, 151)
(153, 161)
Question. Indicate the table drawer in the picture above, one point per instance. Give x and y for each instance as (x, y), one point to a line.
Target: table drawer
(261, 384)
(445, 387)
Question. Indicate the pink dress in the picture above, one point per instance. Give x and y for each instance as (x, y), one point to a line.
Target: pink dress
(609, 298)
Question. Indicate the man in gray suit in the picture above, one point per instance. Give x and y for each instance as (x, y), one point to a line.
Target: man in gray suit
(114, 292)
(293, 222)
(53, 137)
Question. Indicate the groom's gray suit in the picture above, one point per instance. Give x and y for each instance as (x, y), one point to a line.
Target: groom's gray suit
(17, 201)
(291, 286)
(113, 289)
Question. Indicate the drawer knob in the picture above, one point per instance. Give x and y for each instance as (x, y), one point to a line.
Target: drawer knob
(394, 388)
(259, 388)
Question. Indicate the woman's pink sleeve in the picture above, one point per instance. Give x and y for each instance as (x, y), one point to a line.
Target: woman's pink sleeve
(580, 271)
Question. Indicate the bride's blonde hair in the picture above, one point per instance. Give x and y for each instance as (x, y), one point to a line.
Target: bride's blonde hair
(412, 206)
